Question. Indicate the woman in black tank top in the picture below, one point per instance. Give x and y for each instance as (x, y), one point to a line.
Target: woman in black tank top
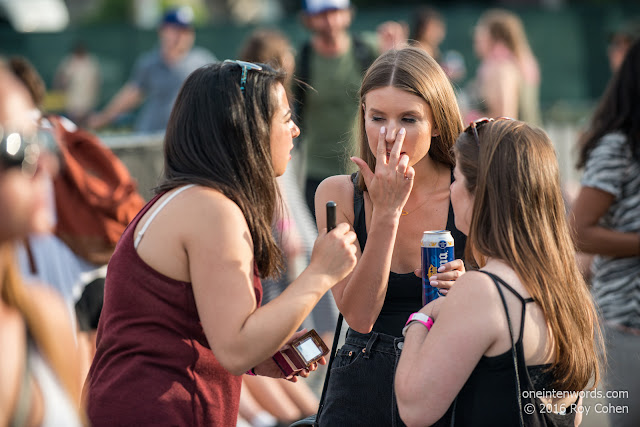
(408, 122)
(496, 358)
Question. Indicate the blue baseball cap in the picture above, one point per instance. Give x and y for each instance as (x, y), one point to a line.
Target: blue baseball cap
(317, 6)
(180, 17)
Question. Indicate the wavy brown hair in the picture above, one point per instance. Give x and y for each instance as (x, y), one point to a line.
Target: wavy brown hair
(519, 217)
(412, 70)
(219, 137)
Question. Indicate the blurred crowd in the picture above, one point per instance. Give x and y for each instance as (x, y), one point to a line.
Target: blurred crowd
(66, 198)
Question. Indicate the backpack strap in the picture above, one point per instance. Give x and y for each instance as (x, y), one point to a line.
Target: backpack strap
(303, 70)
(363, 53)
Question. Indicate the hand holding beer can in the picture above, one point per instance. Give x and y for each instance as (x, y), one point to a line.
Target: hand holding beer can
(437, 250)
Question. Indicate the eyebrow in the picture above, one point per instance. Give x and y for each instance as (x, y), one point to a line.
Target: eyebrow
(404, 113)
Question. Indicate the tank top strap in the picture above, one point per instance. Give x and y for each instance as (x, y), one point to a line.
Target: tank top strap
(359, 218)
(153, 215)
(498, 281)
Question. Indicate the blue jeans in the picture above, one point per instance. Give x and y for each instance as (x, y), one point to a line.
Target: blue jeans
(360, 390)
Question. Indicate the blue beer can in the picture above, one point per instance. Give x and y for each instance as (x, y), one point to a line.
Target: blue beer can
(437, 250)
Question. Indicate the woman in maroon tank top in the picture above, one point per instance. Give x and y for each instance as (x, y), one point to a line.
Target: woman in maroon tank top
(182, 318)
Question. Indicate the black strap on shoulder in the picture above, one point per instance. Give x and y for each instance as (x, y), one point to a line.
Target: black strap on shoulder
(496, 279)
(359, 220)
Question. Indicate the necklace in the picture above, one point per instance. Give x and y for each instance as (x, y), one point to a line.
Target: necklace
(405, 213)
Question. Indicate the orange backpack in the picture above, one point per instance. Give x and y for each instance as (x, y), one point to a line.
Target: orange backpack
(95, 195)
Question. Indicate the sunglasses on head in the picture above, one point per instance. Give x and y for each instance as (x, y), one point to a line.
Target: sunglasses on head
(473, 127)
(245, 67)
(19, 151)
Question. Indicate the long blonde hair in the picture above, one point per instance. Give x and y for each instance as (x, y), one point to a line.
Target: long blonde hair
(519, 217)
(14, 294)
(412, 70)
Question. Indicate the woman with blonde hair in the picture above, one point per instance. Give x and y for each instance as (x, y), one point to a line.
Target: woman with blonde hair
(408, 120)
(508, 78)
(525, 322)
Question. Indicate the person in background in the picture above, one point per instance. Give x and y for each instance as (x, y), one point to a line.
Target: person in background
(427, 32)
(507, 82)
(158, 75)
(332, 62)
(78, 77)
(183, 289)
(606, 220)
(408, 119)
(620, 41)
(38, 362)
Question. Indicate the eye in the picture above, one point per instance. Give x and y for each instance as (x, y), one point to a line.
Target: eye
(409, 120)
(376, 119)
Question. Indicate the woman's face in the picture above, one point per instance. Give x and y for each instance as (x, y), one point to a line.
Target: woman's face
(395, 109)
(481, 41)
(23, 203)
(462, 202)
(283, 130)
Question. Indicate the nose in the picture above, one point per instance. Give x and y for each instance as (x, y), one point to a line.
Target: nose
(392, 131)
(295, 131)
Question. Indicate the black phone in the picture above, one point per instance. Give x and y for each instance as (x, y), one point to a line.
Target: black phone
(331, 215)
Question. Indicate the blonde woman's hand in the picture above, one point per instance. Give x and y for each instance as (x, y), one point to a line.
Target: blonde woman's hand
(446, 276)
(334, 253)
(391, 183)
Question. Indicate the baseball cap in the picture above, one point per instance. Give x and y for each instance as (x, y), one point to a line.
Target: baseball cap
(180, 17)
(318, 6)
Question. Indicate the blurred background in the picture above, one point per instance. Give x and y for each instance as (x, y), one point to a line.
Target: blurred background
(569, 37)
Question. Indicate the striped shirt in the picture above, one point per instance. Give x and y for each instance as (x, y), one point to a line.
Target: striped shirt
(616, 280)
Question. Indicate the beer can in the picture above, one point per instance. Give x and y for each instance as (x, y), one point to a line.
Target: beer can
(437, 250)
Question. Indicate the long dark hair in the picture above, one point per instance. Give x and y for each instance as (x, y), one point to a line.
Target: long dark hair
(618, 110)
(219, 137)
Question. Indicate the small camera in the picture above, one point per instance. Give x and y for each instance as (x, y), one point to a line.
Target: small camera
(304, 351)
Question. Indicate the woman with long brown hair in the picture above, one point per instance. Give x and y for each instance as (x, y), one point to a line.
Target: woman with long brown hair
(527, 310)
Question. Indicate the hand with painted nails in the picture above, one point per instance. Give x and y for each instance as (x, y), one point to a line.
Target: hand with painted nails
(390, 184)
(446, 276)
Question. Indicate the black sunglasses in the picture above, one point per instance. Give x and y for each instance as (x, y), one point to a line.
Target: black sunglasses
(245, 67)
(473, 127)
(19, 151)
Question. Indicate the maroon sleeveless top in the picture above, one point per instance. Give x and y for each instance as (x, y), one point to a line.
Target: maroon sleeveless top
(153, 364)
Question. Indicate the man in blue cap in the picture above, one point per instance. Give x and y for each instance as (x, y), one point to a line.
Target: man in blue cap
(158, 75)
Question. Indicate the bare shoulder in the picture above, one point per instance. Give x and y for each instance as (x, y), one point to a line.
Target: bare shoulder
(338, 188)
(474, 292)
(203, 207)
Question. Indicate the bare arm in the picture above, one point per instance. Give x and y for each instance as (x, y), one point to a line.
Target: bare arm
(125, 100)
(222, 270)
(590, 237)
(361, 295)
(464, 329)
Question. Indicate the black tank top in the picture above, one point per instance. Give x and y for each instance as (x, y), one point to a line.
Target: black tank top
(490, 396)
(404, 291)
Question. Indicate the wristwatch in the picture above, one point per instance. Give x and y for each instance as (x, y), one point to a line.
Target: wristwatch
(418, 317)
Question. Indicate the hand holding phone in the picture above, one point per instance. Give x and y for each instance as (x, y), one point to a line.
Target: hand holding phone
(302, 353)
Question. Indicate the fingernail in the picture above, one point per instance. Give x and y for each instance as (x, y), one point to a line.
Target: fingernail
(443, 291)
(402, 131)
(383, 129)
(441, 269)
(434, 283)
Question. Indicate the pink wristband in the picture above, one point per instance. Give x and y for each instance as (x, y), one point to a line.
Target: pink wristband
(251, 372)
(418, 317)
